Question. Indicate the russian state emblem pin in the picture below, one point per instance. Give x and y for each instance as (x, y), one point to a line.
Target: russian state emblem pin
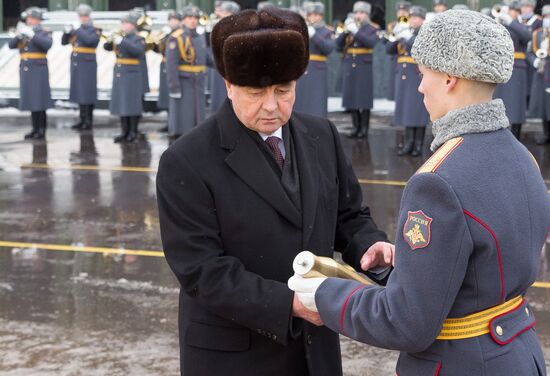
(417, 229)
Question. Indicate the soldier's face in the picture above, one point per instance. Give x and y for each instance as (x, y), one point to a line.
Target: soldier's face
(527, 10)
(190, 22)
(173, 23)
(84, 19)
(314, 18)
(440, 8)
(435, 89)
(416, 22)
(263, 109)
(31, 21)
(127, 27)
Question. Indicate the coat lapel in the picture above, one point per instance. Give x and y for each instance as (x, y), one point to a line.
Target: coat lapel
(306, 155)
(248, 162)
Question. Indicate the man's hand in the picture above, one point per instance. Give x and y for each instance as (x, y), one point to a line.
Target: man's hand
(380, 254)
(299, 310)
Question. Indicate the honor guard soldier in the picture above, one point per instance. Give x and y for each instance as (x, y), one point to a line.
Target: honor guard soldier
(410, 111)
(539, 105)
(312, 87)
(240, 195)
(127, 90)
(440, 6)
(186, 60)
(472, 223)
(174, 23)
(357, 43)
(33, 43)
(84, 40)
(402, 17)
(514, 92)
(533, 22)
(218, 92)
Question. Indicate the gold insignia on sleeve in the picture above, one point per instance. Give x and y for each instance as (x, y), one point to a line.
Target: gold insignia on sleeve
(415, 235)
(417, 231)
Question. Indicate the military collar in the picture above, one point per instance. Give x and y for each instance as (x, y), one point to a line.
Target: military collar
(477, 118)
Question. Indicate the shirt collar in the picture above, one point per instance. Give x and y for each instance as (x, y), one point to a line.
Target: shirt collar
(278, 133)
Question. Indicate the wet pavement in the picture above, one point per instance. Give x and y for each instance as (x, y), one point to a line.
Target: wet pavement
(76, 305)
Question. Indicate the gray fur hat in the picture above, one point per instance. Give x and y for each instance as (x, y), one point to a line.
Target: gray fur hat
(362, 6)
(465, 44)
(230, 7)
(316, 7)
(131, 17)
(265, 4)
(402, 5)
(83, 10)
(33, 12)
(440, 2)
(545, 11)
(418, 11)
(460, 7)
(191, 11)
(530, 3)
(513, 4)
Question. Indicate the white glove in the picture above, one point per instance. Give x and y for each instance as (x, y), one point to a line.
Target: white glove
(76, 25)
(536, 63)
(175, 95)
(28, 32)
(352, 28)
(166, 30)
(304, 289)
(404, 34)
(67, 29)
(118, 39)
(505, 19)
(311, 31)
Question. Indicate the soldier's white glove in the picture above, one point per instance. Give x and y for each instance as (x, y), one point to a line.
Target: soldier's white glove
(304, 289)
(175, 95)
(118, 39)
(67, 29)
(352, 27)
(166, 30)
(405, 34)
(311, 31)
(505, 19)
(28, 32)
(536, 63)
(76, 25)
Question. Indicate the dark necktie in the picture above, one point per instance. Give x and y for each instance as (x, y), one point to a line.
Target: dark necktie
(273, 143)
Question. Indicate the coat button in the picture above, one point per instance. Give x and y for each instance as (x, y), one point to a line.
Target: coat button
(353, 65)
(74, 54)
(499, 330)
(403, 77)
(404, 65)
(118, 74)
(118, 65)
(25, 68)
(308, 339)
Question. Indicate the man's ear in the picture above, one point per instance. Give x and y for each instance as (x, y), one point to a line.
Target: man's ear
(451, 82)
(229, 88)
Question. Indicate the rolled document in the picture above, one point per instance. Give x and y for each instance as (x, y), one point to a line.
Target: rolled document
(307, 265)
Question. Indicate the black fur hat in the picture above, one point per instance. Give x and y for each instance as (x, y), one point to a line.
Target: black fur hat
(261, 48)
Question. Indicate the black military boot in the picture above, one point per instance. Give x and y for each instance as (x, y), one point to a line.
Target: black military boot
(34, 121)
(418, 141)
(356, 122)
(516, 130)
(408, 143)
(545, 139)
(42, 124)
(88, 117)
(364, 124)
(125, 128)
(82, 114)
(133, 130)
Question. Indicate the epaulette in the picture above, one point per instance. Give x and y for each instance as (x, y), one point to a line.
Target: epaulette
(432, 164)
(176, 33)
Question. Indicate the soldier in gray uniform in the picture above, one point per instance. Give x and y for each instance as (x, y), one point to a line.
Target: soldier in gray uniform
(440, 6)
(539, 104)
(312, 87)
(468, 243)
(127, 94)
(410, 111)
(186, 60)
(218, 92)
(174, 23)
(33, 42)
(83, 89)
(357, 43)
(533, 22)
(514, 92)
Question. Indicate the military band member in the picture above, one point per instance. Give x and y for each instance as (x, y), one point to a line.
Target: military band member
(440, 6)
(241, 194)
(84, 40)
(402, 16)
(174, 23)
(514, 92)
(469, 242)
(410, 111)
(357, 43)
(533, 22)
(539, 105)
(186, 61)
(33, 43)
(312, 87)
(218, 92)
(127, 90)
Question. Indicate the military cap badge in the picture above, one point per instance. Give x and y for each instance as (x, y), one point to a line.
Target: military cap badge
(417, 229)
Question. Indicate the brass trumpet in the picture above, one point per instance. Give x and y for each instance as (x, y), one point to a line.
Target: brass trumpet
(109, 37)
(307, 265)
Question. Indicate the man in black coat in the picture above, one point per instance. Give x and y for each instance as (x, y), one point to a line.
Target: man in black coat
(242, 194)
